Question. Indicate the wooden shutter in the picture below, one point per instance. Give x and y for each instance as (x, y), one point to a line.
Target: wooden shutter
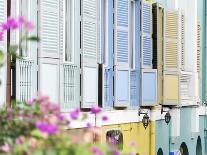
(49, 30)
(135, 56)
(121, 46)
(89, 53)
(70, 70)
(106, 48)
(171, 88)
(182, 42)
(3, 47)
(171, 47)
(158, 29)
(149, 87)
(146, 33)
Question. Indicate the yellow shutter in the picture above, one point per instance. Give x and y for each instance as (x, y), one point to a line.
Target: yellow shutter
(171, 40)
(182, 41)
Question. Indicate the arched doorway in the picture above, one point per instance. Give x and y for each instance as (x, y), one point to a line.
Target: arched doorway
(199, 146)
(184, 149)
(160, 152)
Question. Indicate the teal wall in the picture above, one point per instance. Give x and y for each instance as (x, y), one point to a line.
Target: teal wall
(163, 135)
(162, 2)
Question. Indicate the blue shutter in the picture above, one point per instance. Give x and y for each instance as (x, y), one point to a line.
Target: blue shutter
(149, 87)
(135, 73)
(121, 42)
(107, 51)
(146, 35)
(89, 53)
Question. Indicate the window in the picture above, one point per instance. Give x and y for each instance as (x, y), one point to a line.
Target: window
(69, 28)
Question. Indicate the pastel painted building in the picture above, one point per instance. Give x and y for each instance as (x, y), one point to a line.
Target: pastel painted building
(142, 61)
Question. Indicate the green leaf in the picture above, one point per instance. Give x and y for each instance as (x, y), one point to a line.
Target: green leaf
(1, 56)
(33, 38)
(13, 49)
(36, 133)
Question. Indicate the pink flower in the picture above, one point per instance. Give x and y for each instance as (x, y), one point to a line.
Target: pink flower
(31, 102)
(12, 23)
(75, 113)
(95, 109)
(6, 148)
(115, 152)
(60, 117)
(1, 36)
(105, 118)
(46, 127)
(4, 26)
(28, 25)
(96, 151)
(20, 140)
(21, 20)
(89, 125)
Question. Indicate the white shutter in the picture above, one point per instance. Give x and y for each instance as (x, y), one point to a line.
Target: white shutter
(121, 46)
(89, 53)
(175, 124)
(194, 121)
(198, 47)
(49, 30)
(3, 47)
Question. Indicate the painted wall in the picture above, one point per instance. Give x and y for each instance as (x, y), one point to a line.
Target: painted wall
(162, 2)
(135, 132)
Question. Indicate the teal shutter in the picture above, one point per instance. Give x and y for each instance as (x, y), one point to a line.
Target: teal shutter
(70, 70)
(3, 47)
(49, 53)
(121, 46)
(89, 53)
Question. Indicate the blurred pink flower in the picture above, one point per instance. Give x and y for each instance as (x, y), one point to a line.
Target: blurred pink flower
(4, 27)
(1, 36)
(61, 117)
(12, 23)
(96, 151)
(20, 140)
(21, 20)
(89, 125)
(95, 109)
(46, 127)
(28, 25)
(105, 118)
(75, 113)
(30, 102)
(115, 152)
(6, 148)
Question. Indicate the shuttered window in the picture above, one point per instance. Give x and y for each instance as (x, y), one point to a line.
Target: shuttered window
(89, 53)
(182, 42)
(171, 61)
(198, 47)
(146, 35)
(121, 47)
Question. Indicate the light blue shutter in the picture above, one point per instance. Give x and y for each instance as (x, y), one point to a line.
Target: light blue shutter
(146, 34)
(70, 71)
(135, 73)
(121, 42)
(149, 87)
(89, 53)
(3, 47)
(49, 49)
(107, 51)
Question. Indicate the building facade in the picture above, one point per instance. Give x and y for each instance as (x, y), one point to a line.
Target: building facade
(137, 59)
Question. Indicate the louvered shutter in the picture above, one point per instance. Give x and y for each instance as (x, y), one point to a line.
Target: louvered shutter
(49, 70)
(3, 47)
(135, 72)
(149, 87)
(106, 48)
(198, 47)
(146, 33)
(70, 70)
(158, 29)
(182, 42)
(26, 69)
(121, 46)
(171, 88)
(171, 47)
(89, 53)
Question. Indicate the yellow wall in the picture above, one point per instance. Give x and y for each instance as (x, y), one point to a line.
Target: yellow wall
(135, 132)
